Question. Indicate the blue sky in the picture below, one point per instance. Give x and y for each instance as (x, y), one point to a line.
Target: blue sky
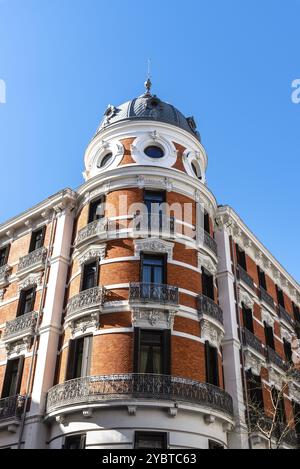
(229, 63)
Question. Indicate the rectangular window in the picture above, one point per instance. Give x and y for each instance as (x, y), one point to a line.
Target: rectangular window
(153, 201)
(207, 284)
(153, 269)
(248, 319)
(296, 312)
(4, 253)
(262, 278)
(96, 209)
(13, 377)
(211, 363)
(26, 301)
(241, 257)
(214, 445)
(152, 351)
(75, 441)
(296, 411)
(37, 239)
(79, 357)
(89, 277)
(255, 393)
(269, 336)
(206, 223)
(151, 440)
(287, 351)
(280, 297)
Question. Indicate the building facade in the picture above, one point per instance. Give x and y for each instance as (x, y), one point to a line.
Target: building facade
(135, 310)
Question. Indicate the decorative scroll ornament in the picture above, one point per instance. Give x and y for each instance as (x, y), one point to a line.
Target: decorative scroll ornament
(154, 245)
(156, 318)
(268, 318)
(211, 332)
(246, 299)
(32, 280)
(92, 253)
(253, 362)
(207, 263)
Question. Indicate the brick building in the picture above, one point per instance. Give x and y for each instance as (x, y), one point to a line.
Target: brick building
(135, 310)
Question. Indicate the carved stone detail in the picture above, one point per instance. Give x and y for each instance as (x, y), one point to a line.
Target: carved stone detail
(31, 280)
(154, 245)
(253, 362)
(92, 253)
(207, 263)
(156, 318)
(211, 332)
(246, 299)
(267, 317)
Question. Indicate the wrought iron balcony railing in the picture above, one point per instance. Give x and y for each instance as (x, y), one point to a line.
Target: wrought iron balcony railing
(284, 315)
(11, 407)
(266, 297)
(250, 340)
(245, 277)
(4, 271)
(153, 293)
(93, 389)
(210, 308)
(209, 242)
(156, 223)
(274, 358)
(98, 228)
(34, 259)
(21, 326)
(87, 299)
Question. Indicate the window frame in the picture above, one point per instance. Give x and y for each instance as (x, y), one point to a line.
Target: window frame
(212, 372)
(33, 239)
(166, 349)
(162, 435)
(22, 301)
(83, 273)
(8, 377)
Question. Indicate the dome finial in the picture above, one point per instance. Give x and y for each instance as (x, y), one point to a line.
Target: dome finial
(148, 82)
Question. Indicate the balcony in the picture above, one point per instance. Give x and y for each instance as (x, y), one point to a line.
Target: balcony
(251, 341)
(275, 359)
(264, 296)
(21, 327)
(284, 316)
(11, 409)
(85, 303)
(98, 229)
(208, 307)
(245, 277)
(4, 272)
(153, 293)
(154, 224)
(99, 389)
(34, 261)
(207, 241)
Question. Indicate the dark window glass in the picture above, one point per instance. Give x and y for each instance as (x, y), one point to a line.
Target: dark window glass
(105, 160)
(151, 440)
(13, 377)
(153, 269)
(262, 278)
(287, 350)
(152, 351)
(211, 362)
(269, 336)
(4, 252)
(296, 411)
(89, 276)
(296, 312)
(206, 223)
(79, 357)
(154, 151)
(196, 171)
(248, 319)
(26, 301)
(96, 210)
(255, 392)
(207, 284)
(241, 257)
(37, 239)
(280, 297)
(214, 445)
(75, 442)
(153, 201)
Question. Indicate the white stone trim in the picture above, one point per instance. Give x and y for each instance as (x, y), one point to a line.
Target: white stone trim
(154, 245)
(93, 159)
(157, 139)
(93, 252)
(207, 263)
(246, 299)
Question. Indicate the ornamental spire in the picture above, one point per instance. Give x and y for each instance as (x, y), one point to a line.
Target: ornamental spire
(148, 82)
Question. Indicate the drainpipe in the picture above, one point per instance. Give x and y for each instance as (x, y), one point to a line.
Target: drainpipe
(244, 379)
(36, 331)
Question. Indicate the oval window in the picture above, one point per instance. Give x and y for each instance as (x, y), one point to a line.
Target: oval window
(154, 152)
(106, 158)
(196, 171)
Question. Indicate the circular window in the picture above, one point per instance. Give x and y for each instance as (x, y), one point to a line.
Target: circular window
(106, 158)
(196, 171)
(154, 152)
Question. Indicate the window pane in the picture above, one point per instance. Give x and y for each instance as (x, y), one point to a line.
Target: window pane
(150, 440)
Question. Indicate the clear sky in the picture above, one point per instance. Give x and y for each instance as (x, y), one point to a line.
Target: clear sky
(230, 63)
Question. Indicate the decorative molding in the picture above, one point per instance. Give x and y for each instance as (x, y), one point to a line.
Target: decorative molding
(276, 378)
(211, 332)
(207, 263)
(267, 317)
(246, 299)
(153, 318)
(92, 253)
(157, 182)
(89, 322)
(253, 362)
(18, 347)
(153, 245)
(159, 139)
(31, 280)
